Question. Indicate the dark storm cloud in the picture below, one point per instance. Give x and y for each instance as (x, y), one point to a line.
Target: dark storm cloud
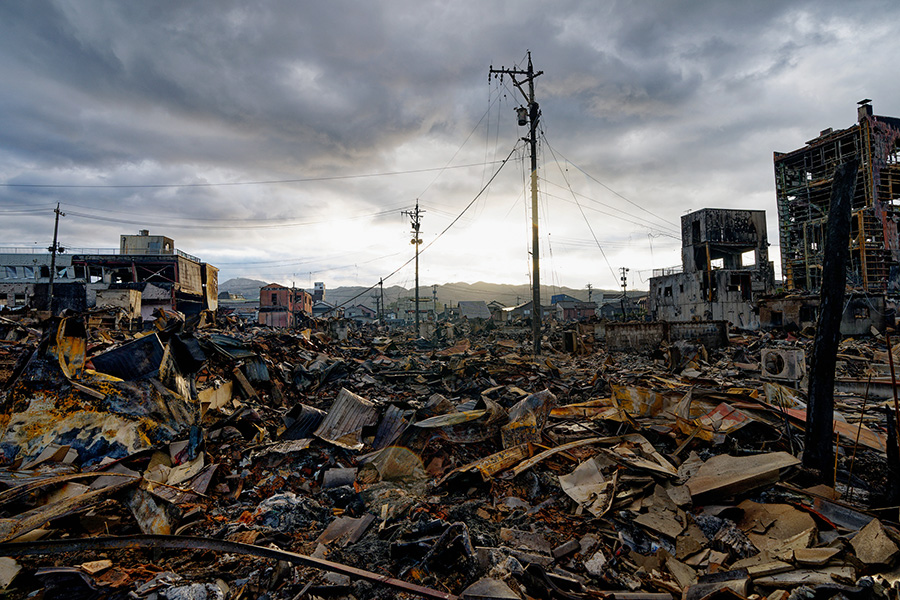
(675, 104)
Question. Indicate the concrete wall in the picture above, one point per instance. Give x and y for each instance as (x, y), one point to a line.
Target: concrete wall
(646, 337)
(684, 296)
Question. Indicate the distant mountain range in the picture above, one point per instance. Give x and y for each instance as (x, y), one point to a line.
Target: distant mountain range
(450, 294)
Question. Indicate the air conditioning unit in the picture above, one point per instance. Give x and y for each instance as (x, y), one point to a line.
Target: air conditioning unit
(783, 364)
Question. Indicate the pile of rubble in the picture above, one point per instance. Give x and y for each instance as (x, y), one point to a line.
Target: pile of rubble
(202, 459)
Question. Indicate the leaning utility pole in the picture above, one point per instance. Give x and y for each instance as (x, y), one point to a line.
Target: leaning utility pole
(529, 116)
(54, 249)
(624, 271)
(415, 217)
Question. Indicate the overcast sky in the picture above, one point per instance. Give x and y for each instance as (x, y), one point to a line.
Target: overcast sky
(282, 140)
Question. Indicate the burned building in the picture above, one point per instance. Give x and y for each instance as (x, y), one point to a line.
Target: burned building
(725, 267)
(803, 190)
(166, 277)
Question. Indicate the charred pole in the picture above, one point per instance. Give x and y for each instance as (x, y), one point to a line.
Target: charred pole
(54, 250)
(818, 452)
(530, 115)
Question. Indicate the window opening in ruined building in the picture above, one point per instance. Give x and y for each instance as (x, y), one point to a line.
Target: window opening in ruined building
(748, 258)
(808, 314)
(28, 272)
(777, 318)
(668, 293)
(860, 312)
(19, 300)
(717, 263)
(95, 275)
(45, 271)
(680, 288)
(10, 272)
(695, 232)
(274, 298)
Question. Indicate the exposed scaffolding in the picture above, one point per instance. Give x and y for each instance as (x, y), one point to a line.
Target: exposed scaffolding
(803, 188)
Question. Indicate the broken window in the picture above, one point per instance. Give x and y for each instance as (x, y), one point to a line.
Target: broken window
(808, 314)
(45, 271)
(95, 274)
(717, 263)
(748, 258)
(668, 293)
(10, 272)
(860, 311)
(777, 318)
(274, 298)
(28, 272)
(19, 300)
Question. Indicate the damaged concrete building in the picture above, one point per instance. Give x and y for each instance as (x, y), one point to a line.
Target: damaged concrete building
(725, 268)
(165, 276)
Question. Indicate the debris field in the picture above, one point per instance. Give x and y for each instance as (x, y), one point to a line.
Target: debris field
(202, 459)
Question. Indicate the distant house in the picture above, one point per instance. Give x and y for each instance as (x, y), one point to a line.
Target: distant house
(474, 309)
(496, 308)
(324, 310)
(567, 310)
(612, 310)
(360, 314)
(523, 311)
(281, 306)
(557, 298)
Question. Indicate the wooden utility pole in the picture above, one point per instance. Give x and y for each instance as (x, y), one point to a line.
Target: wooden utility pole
(381, 285)
(54, 250)
(415, 217)
(530, 115)
(624, 278)
(818, 452)
(590, 289)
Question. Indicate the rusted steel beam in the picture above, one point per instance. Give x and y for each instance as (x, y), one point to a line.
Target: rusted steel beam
(182, 542)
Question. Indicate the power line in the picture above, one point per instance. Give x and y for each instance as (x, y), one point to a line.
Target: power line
(594, 179)
(236, 183)
(447, 228)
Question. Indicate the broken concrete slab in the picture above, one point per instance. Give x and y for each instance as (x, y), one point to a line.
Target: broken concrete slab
(873, 546)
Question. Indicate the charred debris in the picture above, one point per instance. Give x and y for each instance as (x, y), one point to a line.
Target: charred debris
(202, 458)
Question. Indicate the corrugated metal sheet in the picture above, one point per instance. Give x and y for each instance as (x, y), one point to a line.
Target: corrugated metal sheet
(133, 360)
(346, 419)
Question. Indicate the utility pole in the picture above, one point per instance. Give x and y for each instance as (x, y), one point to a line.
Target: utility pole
(54, 249)
(381, 285)
(415, 217)
(590, 290)
(530, 115)
(624, 271)
(434, 299)
(377, 305)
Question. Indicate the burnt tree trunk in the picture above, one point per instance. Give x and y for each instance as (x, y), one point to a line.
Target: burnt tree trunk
(818, 453)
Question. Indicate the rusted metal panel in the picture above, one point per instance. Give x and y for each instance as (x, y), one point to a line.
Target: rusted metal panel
(345, 421)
